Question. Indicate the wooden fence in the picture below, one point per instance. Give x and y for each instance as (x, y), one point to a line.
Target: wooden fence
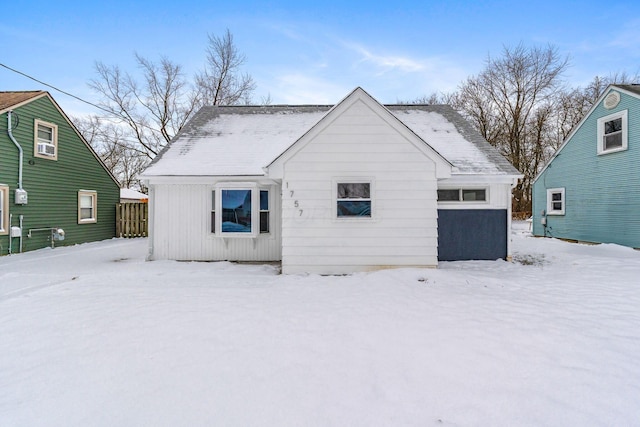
(132, 220)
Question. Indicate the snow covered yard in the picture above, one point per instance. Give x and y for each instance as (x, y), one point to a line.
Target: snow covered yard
(93, 335)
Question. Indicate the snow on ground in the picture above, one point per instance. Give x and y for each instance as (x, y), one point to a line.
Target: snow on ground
(92, 335)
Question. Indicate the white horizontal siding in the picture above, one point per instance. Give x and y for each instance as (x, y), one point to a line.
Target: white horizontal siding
(359, 145)
(181, 227)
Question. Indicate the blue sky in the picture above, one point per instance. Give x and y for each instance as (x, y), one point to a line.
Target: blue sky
(301, 53)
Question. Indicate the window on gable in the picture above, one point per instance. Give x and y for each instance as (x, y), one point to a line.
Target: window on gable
(612, 133)
(555, 201)
(462, 195)
(354, 199)
(87, 207)
(46, 140)
(4, 209)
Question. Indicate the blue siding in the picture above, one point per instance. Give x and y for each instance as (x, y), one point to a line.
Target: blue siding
(472, 234)
(602, 192)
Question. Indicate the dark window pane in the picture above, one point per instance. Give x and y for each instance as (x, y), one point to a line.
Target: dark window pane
(474, 195)
(355, 208)
(213, 200)
(448, 195)
(236, 211)
(613, 126)
(556, 196)
(557, 206)
(613, 141)
(264, 222)
(264, 200)
(359, 190)
(213, 222)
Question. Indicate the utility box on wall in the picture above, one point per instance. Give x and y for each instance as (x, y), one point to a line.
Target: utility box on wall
(21, 196)
(16, 231)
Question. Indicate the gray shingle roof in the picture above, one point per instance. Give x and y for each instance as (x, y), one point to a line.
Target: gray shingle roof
(241, 140)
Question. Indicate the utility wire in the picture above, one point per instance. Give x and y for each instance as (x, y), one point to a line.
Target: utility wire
(71, 95)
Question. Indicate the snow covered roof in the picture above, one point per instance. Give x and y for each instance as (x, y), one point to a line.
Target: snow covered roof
(129, 194)
(241, 140)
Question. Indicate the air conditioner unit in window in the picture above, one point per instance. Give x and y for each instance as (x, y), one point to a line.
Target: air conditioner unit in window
(46, 149)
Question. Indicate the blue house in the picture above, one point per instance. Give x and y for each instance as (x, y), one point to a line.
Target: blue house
(590, 189)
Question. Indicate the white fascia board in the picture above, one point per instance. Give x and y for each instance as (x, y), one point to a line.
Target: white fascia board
(206, 179)
(480, 179)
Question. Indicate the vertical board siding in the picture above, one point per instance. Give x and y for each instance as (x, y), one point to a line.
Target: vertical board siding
(53, 185)
(181, 228)
(601, 191)
(359, 144)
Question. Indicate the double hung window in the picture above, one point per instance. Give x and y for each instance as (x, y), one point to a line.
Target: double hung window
(46, 140)
(612, 133)
(555, 201)
(354, 199)
(87, 206)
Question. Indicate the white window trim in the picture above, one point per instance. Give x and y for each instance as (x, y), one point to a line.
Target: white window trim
(54, 128)
(625, 141)
(255, 209)
(4, 210)
(461, 200)
(550, 210)
(94, 199)
(353, 180)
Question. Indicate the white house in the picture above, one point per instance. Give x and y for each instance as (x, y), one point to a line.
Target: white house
(354, 187)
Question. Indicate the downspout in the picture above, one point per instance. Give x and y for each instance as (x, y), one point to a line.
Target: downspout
(19, 149)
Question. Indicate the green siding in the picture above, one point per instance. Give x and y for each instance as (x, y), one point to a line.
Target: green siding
(53, 185)
(602, 192)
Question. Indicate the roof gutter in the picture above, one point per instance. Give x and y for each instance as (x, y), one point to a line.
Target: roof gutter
(19, 149)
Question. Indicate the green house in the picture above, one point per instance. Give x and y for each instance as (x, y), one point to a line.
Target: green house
(54, 189)
(590, 189)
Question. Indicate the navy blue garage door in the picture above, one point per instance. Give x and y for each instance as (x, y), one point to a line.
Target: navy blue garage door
(472, 234)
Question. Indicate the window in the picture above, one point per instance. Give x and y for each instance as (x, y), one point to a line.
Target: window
(213, 211)
(354, 199)
(46, 140)
(264, 211)
(87, 207)
(612, 133)
(555, 201)
(4, 209)
(462, 195)
(240, 211)
(236, 211)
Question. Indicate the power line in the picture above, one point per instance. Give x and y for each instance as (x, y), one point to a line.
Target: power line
(72, 95)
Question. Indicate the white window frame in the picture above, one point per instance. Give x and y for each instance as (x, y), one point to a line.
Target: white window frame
(94, 206)
(268, 211)
(353, 180)
(461, 191)
(550, 201)
(215, 217)
(625, 141)
(36, 140)
(4, 210)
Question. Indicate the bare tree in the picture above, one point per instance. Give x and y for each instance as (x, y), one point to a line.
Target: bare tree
(146, 109)
(152, 112)
(221, 83)
(118, 153)
(510, 103)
